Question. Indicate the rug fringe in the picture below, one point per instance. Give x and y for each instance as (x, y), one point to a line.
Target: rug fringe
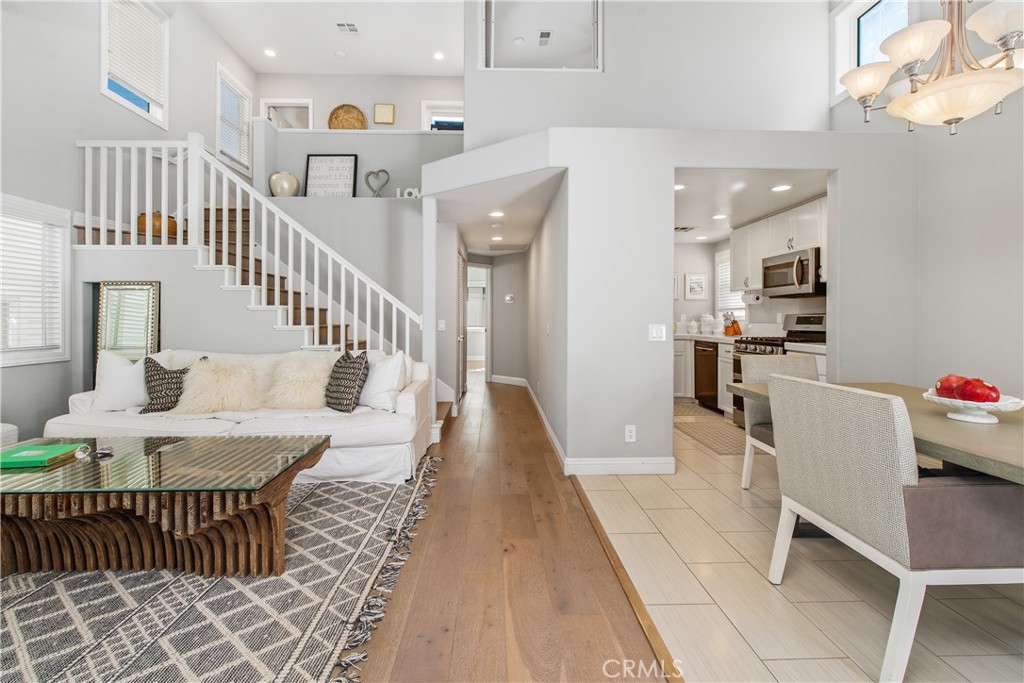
(376, 604)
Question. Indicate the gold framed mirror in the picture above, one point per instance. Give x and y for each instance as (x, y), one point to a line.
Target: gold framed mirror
(129, 318)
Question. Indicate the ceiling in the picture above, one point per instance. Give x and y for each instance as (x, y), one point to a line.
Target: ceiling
(517, 35)
(524, 199)
(394, 38)
(744, 195)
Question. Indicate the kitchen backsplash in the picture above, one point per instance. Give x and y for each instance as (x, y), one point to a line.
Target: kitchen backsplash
(768, 312)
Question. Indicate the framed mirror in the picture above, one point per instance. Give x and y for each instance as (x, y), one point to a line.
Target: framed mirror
(128, 320)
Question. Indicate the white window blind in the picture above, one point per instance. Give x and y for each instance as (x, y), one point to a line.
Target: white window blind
(137, 40)
(725, 299)
(234, 113)
(33, 289)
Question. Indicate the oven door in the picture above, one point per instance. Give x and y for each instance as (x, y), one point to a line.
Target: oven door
(790, 274)
(738, 417)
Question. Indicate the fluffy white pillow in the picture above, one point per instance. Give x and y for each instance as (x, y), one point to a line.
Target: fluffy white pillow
(120, 383)
(300, 381)
(384, 382)
(211, 388)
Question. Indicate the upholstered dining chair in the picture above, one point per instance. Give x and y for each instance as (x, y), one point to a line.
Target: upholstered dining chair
(847, 463)
(757, 415)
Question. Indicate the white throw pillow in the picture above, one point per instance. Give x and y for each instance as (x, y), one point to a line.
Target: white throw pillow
(211, 388)
(300, 381)
(384, 382)
(120, 383)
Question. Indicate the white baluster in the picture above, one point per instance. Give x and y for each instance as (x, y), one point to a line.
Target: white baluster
(263, 257)
(103, 194)
(355, 312)
(380, 332)
(303, 280)
(291, 271)
(211, 218)
(330, 305)
(316, 295)
(369, 316)
(149, 195)
(251, 280)
(394, 328)
(196, 225)
(225, 219)
(179, 212)
(407, 332)
(343, 305)
(277, 260)
(239, 256)
(118, 195)
(88, 194)
(165, 206)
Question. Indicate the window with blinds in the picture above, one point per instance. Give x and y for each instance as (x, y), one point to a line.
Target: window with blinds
(34, 245)
(726, 300)
(135, 38)
(234, 119)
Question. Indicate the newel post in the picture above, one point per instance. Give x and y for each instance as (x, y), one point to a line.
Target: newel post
(195, 190)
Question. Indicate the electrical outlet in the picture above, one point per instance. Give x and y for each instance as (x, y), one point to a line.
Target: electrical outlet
(440, 326)
(630, 433)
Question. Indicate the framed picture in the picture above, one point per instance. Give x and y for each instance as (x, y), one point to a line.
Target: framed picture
(675, 286)
(331, 175)
(696, 286)
(384, 113)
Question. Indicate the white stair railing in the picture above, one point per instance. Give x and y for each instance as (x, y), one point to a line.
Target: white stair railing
(236, 228)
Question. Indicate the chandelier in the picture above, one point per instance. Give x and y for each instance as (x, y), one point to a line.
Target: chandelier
(959, 86)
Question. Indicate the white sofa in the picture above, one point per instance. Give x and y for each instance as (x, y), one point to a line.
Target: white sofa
(368, 444)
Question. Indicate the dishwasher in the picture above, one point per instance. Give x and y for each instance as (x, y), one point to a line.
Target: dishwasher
(705, 373)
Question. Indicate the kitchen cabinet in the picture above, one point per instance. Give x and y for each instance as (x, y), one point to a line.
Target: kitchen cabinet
(682, 375)
(757, 243)
(747, 246)
(780, 233)
(823, 238)
(724, 377)
(796, 228)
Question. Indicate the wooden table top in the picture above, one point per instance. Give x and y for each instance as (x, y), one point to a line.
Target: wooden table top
(997, 449)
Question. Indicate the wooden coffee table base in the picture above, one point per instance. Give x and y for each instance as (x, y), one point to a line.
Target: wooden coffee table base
(221, 533)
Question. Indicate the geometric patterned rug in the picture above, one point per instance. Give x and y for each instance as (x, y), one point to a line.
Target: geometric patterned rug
(345, 542)
(721, 437)
(692, 410)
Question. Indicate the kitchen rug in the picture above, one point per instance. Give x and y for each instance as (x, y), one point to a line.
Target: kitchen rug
(692, 410)
(345, 542)
(723, 437)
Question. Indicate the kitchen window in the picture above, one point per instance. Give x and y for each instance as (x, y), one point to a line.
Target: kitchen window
(726, 300)
(34, 255)
(134, 49)
(858, 29)
(234, 120)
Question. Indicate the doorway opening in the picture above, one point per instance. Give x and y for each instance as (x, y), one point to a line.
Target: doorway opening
(478, 316)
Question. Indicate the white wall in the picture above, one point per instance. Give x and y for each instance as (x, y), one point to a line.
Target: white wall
(327, 92)
(694, 258)
(509, 321)
(448, 247)
(718, 65)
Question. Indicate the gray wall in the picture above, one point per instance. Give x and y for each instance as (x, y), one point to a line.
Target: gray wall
(547, 315)
(448, 246)
(720, 65)
(327, 92)
(509, 275)
(694, 258)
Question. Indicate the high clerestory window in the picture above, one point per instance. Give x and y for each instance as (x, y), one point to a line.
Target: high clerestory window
(234, 120)
(858, 29)
(134, 57)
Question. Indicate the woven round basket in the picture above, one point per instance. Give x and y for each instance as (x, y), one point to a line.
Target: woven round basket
(346, 117)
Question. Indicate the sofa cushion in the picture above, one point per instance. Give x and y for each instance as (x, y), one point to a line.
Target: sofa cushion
(384, 382)
(300, 380)
(347, 379)
(262, 363)
(361, 427)
(211, 387)
(163, 386)
(76, 425)
(120, 383)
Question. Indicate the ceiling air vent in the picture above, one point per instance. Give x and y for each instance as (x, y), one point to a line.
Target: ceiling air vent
(686, 228)
(544, 38)
(348, 29)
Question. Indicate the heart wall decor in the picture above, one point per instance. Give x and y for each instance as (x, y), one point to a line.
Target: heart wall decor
(376, 180)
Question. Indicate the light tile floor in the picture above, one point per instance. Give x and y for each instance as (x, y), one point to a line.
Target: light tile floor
(697, 548)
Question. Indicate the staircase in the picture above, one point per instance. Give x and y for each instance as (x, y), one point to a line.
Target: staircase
(129, 189)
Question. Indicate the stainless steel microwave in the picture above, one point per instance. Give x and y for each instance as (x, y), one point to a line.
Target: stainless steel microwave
(794, 273)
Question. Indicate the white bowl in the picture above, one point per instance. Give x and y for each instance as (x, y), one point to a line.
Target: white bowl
(974, 411)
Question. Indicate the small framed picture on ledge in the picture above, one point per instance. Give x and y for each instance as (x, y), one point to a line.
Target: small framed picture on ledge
(696, 286)
(384, 113)
(331, 175)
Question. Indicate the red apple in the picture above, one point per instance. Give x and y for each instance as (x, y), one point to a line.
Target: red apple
(977, 390)
(946, 386)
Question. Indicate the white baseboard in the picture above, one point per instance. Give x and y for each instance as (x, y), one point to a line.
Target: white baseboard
(514, 381)
(435, 432)
(547, 425)
(666, 465)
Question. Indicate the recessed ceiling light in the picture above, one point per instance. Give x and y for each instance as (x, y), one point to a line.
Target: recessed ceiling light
(340, 55)
(702, 237)
(439, 55)
(270, 53)
(497, 238)
(495, 225)
(679, 187)
(720, 216)
(782, 188)
(496, 214)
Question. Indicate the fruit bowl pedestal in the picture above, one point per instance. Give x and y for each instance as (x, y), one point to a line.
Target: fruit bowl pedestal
(973, 411)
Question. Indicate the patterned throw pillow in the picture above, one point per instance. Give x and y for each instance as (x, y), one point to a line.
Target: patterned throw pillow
(347, 378)
(163, 386)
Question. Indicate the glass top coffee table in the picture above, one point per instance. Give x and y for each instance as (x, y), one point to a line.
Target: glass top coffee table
(210, 505)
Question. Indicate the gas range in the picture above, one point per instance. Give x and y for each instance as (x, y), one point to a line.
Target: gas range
(808, 329)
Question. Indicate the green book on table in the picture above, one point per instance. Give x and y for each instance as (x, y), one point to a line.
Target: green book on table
(37, 455)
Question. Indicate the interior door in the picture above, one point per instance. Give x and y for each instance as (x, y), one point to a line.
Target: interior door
(460, 341)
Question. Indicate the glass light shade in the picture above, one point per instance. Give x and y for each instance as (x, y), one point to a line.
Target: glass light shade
(916, 42)
(962, 96)
(996, 19)
(867, 80)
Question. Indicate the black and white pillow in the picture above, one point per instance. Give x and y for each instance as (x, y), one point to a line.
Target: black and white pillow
(347, 378)
(163, 386)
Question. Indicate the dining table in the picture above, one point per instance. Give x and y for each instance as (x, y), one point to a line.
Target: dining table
(994, 449)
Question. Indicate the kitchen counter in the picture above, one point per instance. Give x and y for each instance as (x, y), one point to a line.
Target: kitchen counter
(720, 338)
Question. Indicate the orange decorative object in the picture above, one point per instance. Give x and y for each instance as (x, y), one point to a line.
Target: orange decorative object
(736, 331)
(158, 222)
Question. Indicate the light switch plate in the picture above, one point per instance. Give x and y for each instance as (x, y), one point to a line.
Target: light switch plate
(656, 332)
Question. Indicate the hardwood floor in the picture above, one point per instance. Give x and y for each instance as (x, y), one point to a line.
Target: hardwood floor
(507, 580)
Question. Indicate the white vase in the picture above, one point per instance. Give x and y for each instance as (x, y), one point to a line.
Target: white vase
(284, 184)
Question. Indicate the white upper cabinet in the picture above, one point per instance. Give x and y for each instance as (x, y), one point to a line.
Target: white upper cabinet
(801, 227)
(780, 233)
(823, 237)
(806, 225)
(739, 260)
(757, 239)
